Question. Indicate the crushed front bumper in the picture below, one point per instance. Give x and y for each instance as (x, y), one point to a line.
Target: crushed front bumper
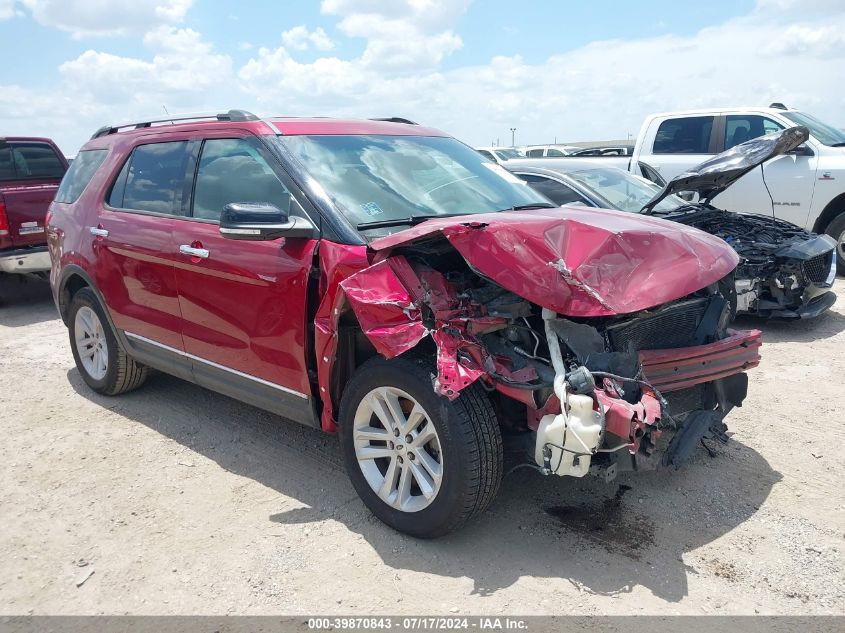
(25, 260)
(675, 369)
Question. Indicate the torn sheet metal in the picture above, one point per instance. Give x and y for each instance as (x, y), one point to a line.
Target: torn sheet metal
(578, 262)
(630, 421)
(384, 308)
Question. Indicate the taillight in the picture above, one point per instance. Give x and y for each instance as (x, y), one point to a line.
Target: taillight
(4, 219)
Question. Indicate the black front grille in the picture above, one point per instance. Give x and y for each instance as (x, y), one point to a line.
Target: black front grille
(817, 269)
(673, 326)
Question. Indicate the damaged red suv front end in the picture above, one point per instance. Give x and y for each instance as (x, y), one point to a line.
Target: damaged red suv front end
(545, 306)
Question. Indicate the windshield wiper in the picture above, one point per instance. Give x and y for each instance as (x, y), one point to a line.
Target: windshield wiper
(409, 221)
(535, 205)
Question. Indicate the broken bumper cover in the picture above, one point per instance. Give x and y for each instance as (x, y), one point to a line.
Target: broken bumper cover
(675, 369)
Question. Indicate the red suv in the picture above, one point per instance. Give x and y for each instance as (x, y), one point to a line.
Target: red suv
(381, 279)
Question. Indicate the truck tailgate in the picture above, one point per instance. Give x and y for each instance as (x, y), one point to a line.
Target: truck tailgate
(26, 207)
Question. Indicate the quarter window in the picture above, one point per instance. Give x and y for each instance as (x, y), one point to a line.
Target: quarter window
(688, 135)
(152, 179)
(79, 175)
(743, 127)
(234, 170)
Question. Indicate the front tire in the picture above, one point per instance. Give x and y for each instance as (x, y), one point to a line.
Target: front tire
(423, 464)
(101, 360)
(836, 229)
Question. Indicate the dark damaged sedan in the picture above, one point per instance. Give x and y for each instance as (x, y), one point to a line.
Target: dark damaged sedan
(784, 271)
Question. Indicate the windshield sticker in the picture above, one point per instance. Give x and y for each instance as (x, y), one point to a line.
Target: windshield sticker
(371, 209)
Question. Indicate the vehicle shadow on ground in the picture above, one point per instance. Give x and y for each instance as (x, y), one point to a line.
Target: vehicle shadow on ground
(25, 301)
(823, 326)
(583, 531)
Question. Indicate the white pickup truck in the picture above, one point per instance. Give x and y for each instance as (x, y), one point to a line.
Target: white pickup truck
(807, 185)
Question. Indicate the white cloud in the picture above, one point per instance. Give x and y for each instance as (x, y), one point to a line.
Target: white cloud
(7, 9)
(300, 38)
(87, 18)
(403, 35)
(599, 91)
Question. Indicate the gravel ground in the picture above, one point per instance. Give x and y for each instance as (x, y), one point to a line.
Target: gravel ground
(176, 500)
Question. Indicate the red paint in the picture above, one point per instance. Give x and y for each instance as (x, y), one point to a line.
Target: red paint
(581, 263)
(26, 200)
(268, 339)
(674, 369)
(629, 421)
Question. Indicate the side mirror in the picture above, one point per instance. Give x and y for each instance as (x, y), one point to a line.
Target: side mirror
(801, 150)
(262, 221)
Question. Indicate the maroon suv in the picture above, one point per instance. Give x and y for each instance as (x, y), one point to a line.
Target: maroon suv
(383, 280)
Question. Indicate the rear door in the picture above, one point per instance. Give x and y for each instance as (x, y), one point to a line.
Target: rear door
(245, 323)
(30, 172)
(135, 251)
(678, 143)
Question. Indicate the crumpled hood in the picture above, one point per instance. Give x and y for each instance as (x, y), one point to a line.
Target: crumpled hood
(716, 174)
(580, 262)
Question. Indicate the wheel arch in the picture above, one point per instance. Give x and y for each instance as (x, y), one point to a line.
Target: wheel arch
(831, 211)
(73, 279)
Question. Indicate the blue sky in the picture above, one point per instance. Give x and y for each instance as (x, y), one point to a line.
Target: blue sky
(565, 70)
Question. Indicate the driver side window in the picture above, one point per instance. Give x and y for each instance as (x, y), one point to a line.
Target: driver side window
(234, 170)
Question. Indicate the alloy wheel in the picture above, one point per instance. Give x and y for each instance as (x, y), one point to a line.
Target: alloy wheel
(398, 449)
(91, 343)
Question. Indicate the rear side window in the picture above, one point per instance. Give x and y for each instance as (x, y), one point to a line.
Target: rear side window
(555, 191)
(234, 170)
(29, 160)
(688, 135)
(152, 179)
(82, 169)
(554, 152)
(486, 154)
(534, 153)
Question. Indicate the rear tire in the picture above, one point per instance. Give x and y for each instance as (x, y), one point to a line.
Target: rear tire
(101, 360)
(836, 229)
(463, 451)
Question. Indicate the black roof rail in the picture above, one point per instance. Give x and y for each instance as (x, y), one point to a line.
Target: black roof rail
(231, 115)
(397, 119)
(778, 106)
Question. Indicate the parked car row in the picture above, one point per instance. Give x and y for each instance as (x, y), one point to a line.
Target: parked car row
(382, 280)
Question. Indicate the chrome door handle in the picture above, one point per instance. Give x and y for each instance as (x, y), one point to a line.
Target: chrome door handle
(98, 232)
(186, 249)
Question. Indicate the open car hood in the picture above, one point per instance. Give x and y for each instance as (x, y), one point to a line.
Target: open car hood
(577, 261)
(718, 173)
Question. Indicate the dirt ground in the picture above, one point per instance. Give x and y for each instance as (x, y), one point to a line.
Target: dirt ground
(176, 500)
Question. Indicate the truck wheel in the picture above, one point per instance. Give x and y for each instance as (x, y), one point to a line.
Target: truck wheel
(421, 463)
(100, 359)
(836, 229)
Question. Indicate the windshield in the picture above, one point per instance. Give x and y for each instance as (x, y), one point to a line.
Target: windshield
(508, 153)
(822, 132)
(622, 190)
(383, 178)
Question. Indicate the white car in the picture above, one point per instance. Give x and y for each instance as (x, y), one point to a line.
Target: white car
(805, 186)
(548, 151)
(500, 154)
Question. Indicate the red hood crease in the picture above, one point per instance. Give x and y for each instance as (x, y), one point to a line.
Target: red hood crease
(581, 262)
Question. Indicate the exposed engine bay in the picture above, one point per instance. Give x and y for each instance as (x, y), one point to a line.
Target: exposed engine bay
(584, 395)
(784, 271)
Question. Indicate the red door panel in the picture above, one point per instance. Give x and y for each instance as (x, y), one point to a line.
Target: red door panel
(136, 276)
(243, 306)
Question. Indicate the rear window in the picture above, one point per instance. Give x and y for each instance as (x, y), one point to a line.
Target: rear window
(29, 160)
(82, 169)
(688, 135)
